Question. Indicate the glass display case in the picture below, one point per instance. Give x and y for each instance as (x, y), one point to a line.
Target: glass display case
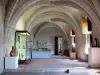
(23, 46)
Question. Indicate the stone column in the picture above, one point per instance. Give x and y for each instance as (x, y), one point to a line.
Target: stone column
(70, 46)
(94, 34)
(1, 40)
(9, 41)
(80, 48)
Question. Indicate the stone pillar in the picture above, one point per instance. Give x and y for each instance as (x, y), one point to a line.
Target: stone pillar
(84, 47)
(80, 48)
(1, 41)
(70, 46)
(73, 48)
(9, 41)
(94, 34)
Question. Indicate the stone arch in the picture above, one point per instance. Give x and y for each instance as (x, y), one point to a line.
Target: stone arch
(47, 17)
(46, 25)
(41, 20)
(45, 9)
(79, 4)
(56, 25)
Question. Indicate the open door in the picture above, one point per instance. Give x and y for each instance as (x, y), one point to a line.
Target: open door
(56, 45)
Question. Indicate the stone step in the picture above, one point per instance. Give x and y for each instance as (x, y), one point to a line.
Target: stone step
(46, 70)
(35, 70)
(58, 73)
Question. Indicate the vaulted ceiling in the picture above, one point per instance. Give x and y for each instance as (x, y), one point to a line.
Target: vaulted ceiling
(58, 13)
(34, 15)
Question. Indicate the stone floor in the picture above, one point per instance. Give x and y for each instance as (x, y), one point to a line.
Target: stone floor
(54, 62)
(57, 65)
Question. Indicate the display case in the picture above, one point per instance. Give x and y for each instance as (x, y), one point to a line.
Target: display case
(23, 46)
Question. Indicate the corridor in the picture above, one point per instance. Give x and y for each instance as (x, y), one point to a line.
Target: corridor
(49, 37)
